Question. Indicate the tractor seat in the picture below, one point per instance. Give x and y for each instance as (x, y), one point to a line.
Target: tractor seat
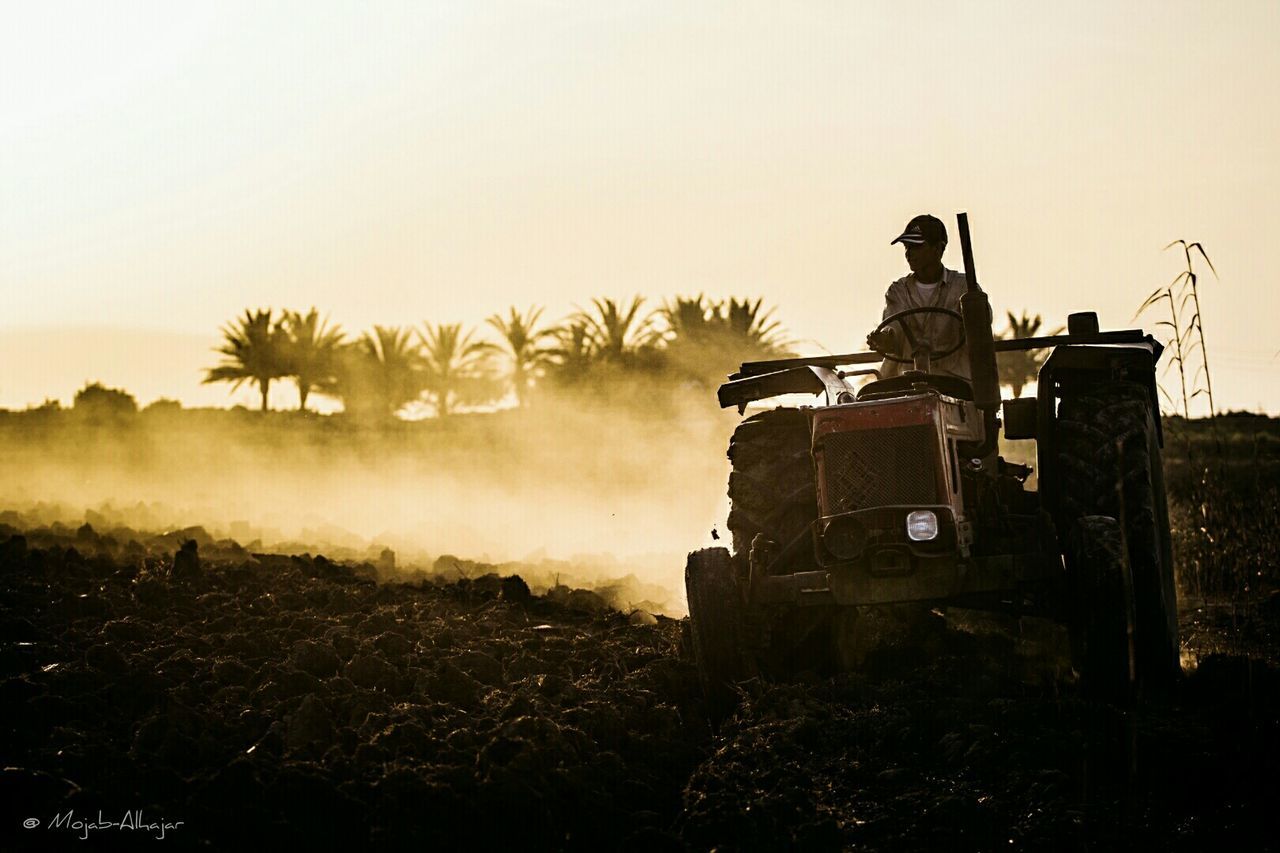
(952, 386)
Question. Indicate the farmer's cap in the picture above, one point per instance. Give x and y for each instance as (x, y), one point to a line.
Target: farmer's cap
(923, 229)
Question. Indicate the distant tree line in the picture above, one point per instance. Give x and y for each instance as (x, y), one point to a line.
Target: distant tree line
(688, 340)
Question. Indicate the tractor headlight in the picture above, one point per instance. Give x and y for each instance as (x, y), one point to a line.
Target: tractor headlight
(845, 537)
(922, 525)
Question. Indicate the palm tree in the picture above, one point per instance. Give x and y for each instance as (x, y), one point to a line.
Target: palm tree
(694, 328)
(619, 335)
(521, 336)
(1019, 367)
(381, 372)
(691, 319)
(705, 337)
(747, 325)
(455, 367)
(253, 352)
(311, 353)
(573, 354)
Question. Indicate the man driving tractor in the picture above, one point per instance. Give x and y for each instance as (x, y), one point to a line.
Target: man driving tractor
(930, 285)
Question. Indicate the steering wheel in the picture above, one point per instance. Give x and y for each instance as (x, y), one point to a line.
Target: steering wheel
(911, 338)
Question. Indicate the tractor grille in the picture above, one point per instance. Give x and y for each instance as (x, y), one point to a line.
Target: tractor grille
(879, 467)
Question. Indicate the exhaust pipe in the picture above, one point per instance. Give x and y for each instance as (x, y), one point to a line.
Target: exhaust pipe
(975, 308)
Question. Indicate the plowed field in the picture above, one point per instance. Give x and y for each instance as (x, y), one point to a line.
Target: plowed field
(294, 701)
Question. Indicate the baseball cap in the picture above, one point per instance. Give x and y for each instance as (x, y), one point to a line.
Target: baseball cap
(923, 229)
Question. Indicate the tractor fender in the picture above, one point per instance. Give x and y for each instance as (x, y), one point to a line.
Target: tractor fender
(809, 379)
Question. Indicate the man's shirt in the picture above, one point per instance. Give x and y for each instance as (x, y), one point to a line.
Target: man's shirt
(941, 331)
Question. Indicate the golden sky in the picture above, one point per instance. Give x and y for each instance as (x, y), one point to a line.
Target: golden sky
(167, 165)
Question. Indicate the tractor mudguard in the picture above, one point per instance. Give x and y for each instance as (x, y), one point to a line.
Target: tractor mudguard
(1133, 361)
(809, 379)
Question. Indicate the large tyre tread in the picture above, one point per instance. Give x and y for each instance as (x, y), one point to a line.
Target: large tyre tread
(772, 485)
(1106, 437)
(1105, 620)
(716, 627)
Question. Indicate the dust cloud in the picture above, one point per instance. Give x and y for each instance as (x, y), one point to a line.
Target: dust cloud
(563, 491)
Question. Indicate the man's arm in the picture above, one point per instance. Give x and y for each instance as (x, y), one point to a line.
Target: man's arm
(893, 303)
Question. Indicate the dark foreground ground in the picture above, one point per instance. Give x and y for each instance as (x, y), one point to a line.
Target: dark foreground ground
(293, 701)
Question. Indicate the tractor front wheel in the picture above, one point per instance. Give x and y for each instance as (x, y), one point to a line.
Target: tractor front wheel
(716, 625)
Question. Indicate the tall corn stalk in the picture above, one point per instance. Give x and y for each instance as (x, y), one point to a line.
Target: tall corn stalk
(1166, 294)
(1191, 290)
(1186, 333)
(1201, 549)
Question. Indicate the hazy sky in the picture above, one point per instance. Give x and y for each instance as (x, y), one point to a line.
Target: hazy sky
(167, 165)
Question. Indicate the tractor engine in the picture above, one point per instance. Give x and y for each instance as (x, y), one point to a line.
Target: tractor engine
(889, 480)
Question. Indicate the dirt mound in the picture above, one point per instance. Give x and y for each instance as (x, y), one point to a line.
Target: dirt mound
(294, 700)
(956, 751)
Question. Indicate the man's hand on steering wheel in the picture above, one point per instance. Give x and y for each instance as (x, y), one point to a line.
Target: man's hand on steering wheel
(883, 340)
(890, 352)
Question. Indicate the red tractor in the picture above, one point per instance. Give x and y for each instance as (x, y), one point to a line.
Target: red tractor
(894, 494)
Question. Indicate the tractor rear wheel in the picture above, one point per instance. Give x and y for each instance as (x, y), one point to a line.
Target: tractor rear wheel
(1109, 464)
(715, 621)
(772, 488)
(1102, 626)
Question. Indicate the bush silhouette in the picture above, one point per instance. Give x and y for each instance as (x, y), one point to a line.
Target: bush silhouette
(97, 402)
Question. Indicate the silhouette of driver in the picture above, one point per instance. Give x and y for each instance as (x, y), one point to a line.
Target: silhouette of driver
(930, 284)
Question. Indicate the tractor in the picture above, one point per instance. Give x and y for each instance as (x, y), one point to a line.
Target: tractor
(894, 495)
